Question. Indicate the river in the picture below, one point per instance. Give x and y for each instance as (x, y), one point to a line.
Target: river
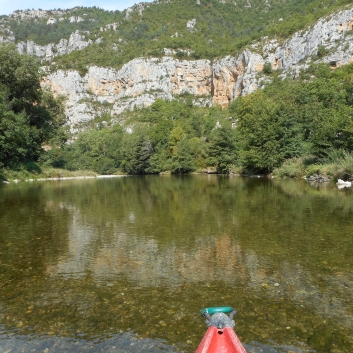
(126, 264)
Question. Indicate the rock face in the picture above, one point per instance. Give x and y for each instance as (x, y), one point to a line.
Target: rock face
(233, 77)
(32, 14)
(75, 19)
(141, 81)
(334, 34)
(7, 36)
(76, 42)
(51, 21)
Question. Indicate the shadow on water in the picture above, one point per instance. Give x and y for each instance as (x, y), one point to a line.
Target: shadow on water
(122, 343)
(133, 260)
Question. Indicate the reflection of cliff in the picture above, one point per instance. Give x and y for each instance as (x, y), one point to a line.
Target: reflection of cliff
(116, 250)
(142, 259)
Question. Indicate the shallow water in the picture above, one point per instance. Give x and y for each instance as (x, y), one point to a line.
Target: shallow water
(125, 264)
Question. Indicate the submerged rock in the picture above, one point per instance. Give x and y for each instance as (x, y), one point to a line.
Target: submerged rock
(318, 178)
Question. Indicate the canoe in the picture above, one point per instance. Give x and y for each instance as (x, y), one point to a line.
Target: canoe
(220, 336)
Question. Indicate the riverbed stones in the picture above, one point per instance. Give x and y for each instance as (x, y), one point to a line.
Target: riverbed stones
(318, 178)
(321, 340)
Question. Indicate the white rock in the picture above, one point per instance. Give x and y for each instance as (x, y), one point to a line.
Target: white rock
(341, 182)
(190, 25)
(75, 19)
(75, 42)
(51, 21)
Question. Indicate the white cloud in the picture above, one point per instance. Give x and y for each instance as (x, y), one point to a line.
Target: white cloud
(6, 6)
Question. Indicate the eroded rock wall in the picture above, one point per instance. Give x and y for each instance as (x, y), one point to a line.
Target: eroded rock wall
(75, 42)
(142, 80)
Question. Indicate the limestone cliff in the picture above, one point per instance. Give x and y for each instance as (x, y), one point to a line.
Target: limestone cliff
(142, 80)
(75, 42)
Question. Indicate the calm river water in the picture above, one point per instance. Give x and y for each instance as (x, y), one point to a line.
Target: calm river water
(126, 264)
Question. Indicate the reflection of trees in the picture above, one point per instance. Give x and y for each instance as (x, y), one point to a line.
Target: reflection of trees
(207, 239)
(30, 220)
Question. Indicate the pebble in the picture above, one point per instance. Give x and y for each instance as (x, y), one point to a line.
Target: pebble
(162, 323)
(276, 284)
(189, 342)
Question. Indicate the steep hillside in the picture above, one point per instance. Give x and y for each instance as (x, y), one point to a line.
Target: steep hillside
(196, 29)
(179, 105)
(141, 81)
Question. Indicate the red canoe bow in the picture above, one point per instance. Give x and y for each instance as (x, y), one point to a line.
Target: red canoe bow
(220, 341)
(220, 336)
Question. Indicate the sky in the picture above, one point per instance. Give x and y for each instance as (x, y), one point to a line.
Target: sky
(8, 6)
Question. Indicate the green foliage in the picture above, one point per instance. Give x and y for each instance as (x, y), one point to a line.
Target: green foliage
(97, 150)
(269, 130)
(28, 116)
(36, 29)
(221, 29)
(136, 151)
(322, 51)
(222, 149)
(277, 129)
(267, 69)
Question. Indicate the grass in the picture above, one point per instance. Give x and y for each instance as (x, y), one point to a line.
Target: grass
(337, 165)
(25, 171)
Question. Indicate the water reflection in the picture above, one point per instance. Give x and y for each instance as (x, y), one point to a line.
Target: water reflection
(144, 254)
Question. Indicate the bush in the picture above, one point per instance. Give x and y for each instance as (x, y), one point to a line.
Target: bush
(291, 168)
(267, 69)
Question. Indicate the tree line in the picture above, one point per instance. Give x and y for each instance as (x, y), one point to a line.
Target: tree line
(305, 118)
(308, 119)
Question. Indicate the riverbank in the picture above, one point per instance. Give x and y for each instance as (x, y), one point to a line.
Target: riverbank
(341, 168)
(295, 168)
(39, 173)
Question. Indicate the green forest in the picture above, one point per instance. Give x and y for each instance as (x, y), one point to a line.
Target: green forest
(222, 28)
(291, 128)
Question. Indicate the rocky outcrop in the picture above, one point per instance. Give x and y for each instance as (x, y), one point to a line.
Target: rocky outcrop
(334, 34)
(142, 80)
(190, 25)
(136, 8)
(75, 19)
(33, 14)
(52, 21)
(6, 35)
(75, 42)
(233, 77)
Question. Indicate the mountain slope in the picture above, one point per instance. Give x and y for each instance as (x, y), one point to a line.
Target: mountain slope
(188, 29)
(141, 81)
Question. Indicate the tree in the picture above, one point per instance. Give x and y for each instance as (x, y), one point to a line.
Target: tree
(182, 161)
(270, 128)
(136, 151)
(222, 148)
(29, 117)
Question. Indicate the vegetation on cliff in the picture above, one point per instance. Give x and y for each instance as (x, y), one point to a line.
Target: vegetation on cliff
(221, 28)
(292, 127)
